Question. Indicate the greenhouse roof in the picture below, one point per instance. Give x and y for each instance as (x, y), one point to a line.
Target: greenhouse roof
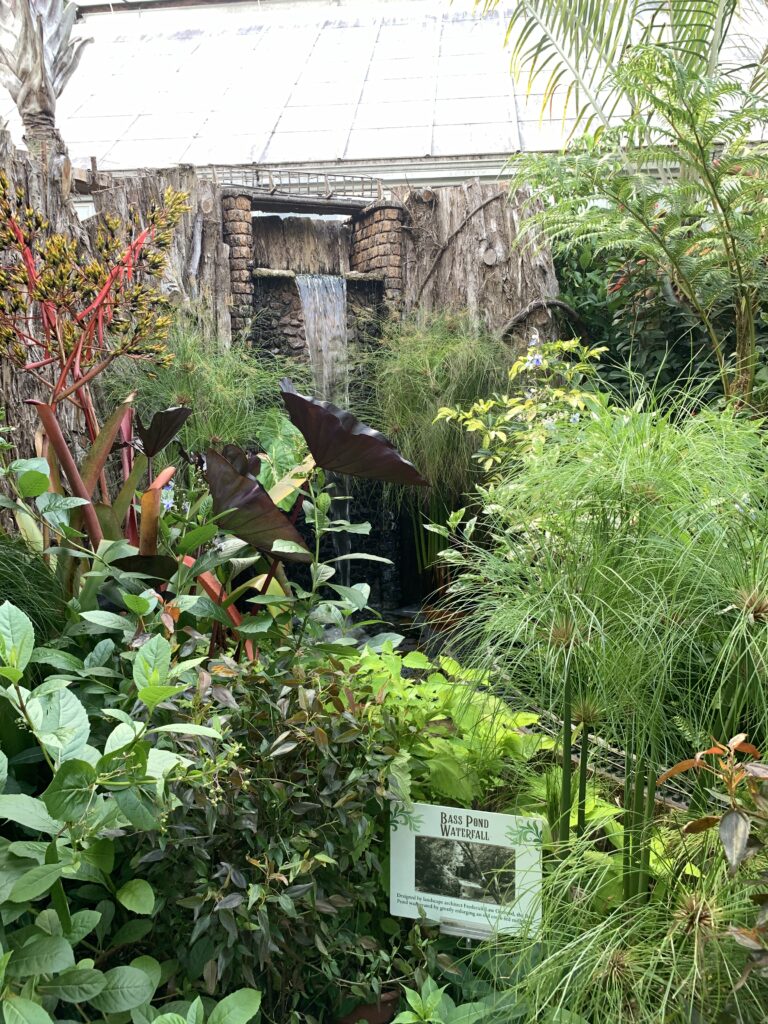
(401, 90)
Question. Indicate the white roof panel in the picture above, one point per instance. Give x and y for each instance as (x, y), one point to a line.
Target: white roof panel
(331, 82)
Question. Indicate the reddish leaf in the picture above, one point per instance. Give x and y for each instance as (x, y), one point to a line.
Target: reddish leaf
(248, 511)
(692, 828)
(678, 769)
(161, 431)
(341, 443)
(748, 748)
(711, 750)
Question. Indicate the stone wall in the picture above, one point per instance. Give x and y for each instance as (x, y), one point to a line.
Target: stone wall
(377, 248)
(278, 325)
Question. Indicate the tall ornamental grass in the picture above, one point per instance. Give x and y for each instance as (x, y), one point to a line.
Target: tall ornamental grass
(638, 535)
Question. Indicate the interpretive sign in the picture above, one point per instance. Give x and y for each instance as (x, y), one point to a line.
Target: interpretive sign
(474, 872)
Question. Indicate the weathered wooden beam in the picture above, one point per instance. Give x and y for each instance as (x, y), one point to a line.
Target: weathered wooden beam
(269, 272)
(282, 202)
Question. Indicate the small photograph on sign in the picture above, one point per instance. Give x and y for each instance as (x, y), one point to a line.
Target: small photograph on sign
(465, 870)
(474, 872)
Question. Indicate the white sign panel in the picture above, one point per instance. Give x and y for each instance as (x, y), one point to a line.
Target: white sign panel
(474, 872)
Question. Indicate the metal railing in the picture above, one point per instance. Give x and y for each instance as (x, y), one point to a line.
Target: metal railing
(296, 183)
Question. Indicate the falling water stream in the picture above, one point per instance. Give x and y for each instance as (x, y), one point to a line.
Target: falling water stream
(324, 305)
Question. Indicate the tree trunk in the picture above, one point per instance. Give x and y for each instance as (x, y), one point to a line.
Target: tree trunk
(197, 279)
(461, 256)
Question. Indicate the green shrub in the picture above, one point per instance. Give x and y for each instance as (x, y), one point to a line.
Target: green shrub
(27, 581)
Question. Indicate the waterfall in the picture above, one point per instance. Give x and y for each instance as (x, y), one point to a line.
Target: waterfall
(324, 305)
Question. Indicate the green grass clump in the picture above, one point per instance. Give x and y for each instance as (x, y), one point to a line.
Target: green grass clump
(641, 534)
(233, 392)
(28, 582)
(670, 960)
(422, 364)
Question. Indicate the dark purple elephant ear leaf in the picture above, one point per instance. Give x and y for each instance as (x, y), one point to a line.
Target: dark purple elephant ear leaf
(342, 443)
(161, 431)
(246, 465)
(249, 512)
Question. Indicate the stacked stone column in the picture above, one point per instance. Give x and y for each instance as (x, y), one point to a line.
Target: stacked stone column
(238, 235)
(377, 247)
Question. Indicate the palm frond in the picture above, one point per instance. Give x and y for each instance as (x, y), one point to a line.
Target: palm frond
(570, 49)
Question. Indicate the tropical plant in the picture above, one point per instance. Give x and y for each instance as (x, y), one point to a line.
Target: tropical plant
(37, 58)
(641, 530)
(572, 48)
(552, 381)
(668, 960)
(677, 189)
(433, 1005)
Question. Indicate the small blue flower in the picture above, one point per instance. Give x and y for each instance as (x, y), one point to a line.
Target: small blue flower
(533, 361)
(575, 418)
(166, 498)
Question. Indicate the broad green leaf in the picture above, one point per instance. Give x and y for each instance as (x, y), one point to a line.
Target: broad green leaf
(107, 619)
(152, 662)
(35, 882)
(136, 604)
(61, 660)
(124, 989)
(196, 1012)
(169, 1018)
(35, 465)
(77, 985)
(33, 484)
(287, 547)
(151, 696)
(45, 954)
(417, 660)
(17, 636)
(29, 812)
(237, 1008)
(138, 896)
(196, 538)
(356, 596)
(83, 923)
(123, 735)
(71, 791)
(138, 809)
(188, 729)
(150, 966)
(255, 626)
(61, 723)
(55, 508)
(24, 1011)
